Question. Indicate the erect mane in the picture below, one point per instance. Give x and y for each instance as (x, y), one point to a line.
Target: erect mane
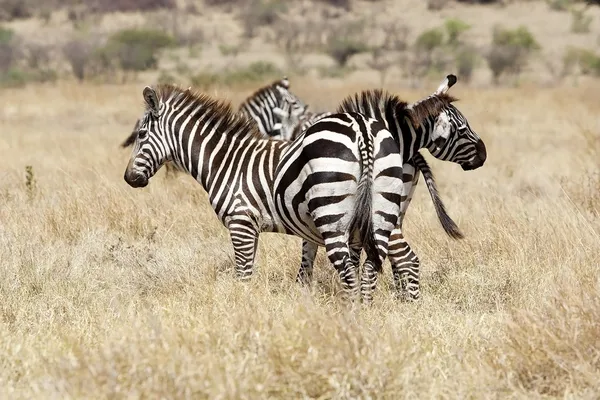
(233, 123)
(378, 99)
(284, 83)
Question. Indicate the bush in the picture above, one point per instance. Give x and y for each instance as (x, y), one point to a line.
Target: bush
(105, 6)
(259, 13)
(428, 54)
(10, 49)
(15, 9)
(345, 4)
(559, 5)
(78, 53)
(345, 41)
(510, 51)
(580, 23)
(429, 40)
(436, 5)
(13, 78)
(256, 72)
(587, 61)
(454, 28)
(135, 50)
(341, 49)
(466, 59)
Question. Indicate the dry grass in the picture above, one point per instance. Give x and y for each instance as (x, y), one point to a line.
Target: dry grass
(111, 292)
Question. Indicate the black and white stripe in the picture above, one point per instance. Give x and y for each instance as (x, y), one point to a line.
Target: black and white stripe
(433, 123)
(338, 185)
(260, 105)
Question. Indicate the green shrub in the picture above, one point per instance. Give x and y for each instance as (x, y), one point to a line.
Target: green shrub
(135, 50)
(510, 51)
(580, 23)
(15, 9)
(518, 38)
(454, 28)
(10, 49)
(559, 5)
(466, 59)
(13, 78)
(6, 35)
(587, 61)
(253, 73)
(429, 40)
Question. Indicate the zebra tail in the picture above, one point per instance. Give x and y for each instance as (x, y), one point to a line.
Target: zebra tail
(447, 222)
(362, 217)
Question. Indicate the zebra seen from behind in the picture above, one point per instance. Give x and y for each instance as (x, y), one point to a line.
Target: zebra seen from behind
(433, 123)
(338, 185)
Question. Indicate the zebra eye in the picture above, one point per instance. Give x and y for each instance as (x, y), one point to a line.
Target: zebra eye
(142, 133)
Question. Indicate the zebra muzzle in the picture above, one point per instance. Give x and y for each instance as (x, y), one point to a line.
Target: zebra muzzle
(135, 180)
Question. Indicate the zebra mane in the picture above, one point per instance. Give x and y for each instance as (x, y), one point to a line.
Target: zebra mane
(281, 83)
(371, 102)
(234, 124)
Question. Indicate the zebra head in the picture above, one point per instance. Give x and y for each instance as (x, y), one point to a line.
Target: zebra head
(290, 114)
(150, 149)
(451, 137)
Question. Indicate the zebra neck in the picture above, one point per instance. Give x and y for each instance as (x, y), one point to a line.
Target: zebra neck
(411, 139)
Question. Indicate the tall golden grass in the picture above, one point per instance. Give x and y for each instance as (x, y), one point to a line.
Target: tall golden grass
(111, 292)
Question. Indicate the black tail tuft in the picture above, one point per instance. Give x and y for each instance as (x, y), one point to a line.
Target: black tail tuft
(447, 222)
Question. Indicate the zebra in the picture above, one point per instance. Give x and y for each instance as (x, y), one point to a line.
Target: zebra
(295, 118)
(338, 185)
(434, 123)
(260, 106)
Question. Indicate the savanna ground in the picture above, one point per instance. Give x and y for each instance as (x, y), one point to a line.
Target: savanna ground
(111, 292)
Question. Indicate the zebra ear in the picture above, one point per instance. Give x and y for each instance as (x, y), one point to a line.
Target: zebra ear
(441, 129)
(151, 100)
(446, 84)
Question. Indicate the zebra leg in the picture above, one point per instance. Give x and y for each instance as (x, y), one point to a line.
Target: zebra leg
(405, 267)
(348, 271)
(244, 237)
(371, 269)
(368, 281)
(309, 252)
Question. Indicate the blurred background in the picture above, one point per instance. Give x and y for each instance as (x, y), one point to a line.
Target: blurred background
(226, 43)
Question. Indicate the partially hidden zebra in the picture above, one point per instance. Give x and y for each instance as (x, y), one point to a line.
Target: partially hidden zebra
(295, 118)
(260, 106)
(338, 185)
(433, 123)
